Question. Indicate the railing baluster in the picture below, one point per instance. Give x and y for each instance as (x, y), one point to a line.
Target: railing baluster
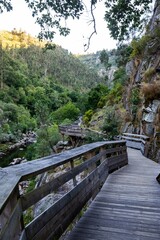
(74, 178)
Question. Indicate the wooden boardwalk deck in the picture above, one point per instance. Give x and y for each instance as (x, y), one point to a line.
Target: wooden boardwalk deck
(127, 207)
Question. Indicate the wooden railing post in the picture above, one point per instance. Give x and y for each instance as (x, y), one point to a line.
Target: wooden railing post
(74, 178)
(102, 149)
(89, 156)
(11, 217)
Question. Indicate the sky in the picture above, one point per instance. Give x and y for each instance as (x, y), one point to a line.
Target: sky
(20, 18)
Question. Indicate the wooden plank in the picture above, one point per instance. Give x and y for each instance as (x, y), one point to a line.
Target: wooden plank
(31, 198)
(89, 184)
(68, 213)
(38, 166)
(23, 171)
(13, 227)
(132, 139)
(10, 176)
(127, 207)
(37, 194)
(23, 236)
(136, 135)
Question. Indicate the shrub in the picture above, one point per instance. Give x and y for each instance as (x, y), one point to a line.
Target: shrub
(135, 100)
(115, 94)
(96, 94)
(69, 111)
(47, 138)
(138, 46)
(149, 73)
(151, 91)
(93, 137)
(87, 117)
(66, 121)
(102, 102)
(111, 123)
(120, 76)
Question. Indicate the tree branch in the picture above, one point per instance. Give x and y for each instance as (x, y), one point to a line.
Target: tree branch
(87, 45)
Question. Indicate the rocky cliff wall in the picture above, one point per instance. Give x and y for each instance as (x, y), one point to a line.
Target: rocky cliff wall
(142, 95)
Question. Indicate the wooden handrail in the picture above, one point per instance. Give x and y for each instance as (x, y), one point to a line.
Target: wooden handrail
(72, 130)
(136, 136)
(96, 161)
(137, 141)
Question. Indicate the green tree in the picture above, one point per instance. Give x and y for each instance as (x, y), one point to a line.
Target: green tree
(122, 54)
(95, 94)
(124, 17)
(68, 111)
(47, 138)
(111, 123)
(104, 58)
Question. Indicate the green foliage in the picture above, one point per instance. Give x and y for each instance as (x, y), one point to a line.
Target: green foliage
(135, 100)
(104, 58)
(69, 111)
(31, 186)
(122, 54)
(93, 137)
(124, 17)
(87, 116)
(5, 137)
(28, 216)
(66, 121)
(47, 138)
(115, 94)
(35, 83)
(138, 46)
(149, 73)
(14, 118)
(95, 95)
(102, 102)
(111, 123)
(135, 96)
(120, 76)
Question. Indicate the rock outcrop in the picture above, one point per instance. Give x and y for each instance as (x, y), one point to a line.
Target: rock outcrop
(144, 74)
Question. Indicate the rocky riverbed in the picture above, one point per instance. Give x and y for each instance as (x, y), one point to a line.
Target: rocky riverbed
(14, 152)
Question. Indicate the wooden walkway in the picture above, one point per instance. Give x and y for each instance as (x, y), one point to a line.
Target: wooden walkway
(127, 207)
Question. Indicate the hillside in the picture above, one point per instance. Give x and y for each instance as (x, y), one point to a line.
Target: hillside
(93, 62)
(39, 86)
(18, 39)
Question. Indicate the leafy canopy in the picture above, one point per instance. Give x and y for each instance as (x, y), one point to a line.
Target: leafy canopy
(122, 16)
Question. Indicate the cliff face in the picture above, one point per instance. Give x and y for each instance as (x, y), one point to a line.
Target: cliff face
(142, 95)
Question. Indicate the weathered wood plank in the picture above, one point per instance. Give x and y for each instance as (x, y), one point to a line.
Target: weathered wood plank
(89, 184)
(127, 206)
(37, 194)
(67, 206)
(10, 176)
(136, 135)
(13, 227)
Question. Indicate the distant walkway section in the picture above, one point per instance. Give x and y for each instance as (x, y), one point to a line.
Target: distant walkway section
(127, 207)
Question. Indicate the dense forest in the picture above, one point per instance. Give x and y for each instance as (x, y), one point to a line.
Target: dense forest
(40, 85)
(43, 85)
